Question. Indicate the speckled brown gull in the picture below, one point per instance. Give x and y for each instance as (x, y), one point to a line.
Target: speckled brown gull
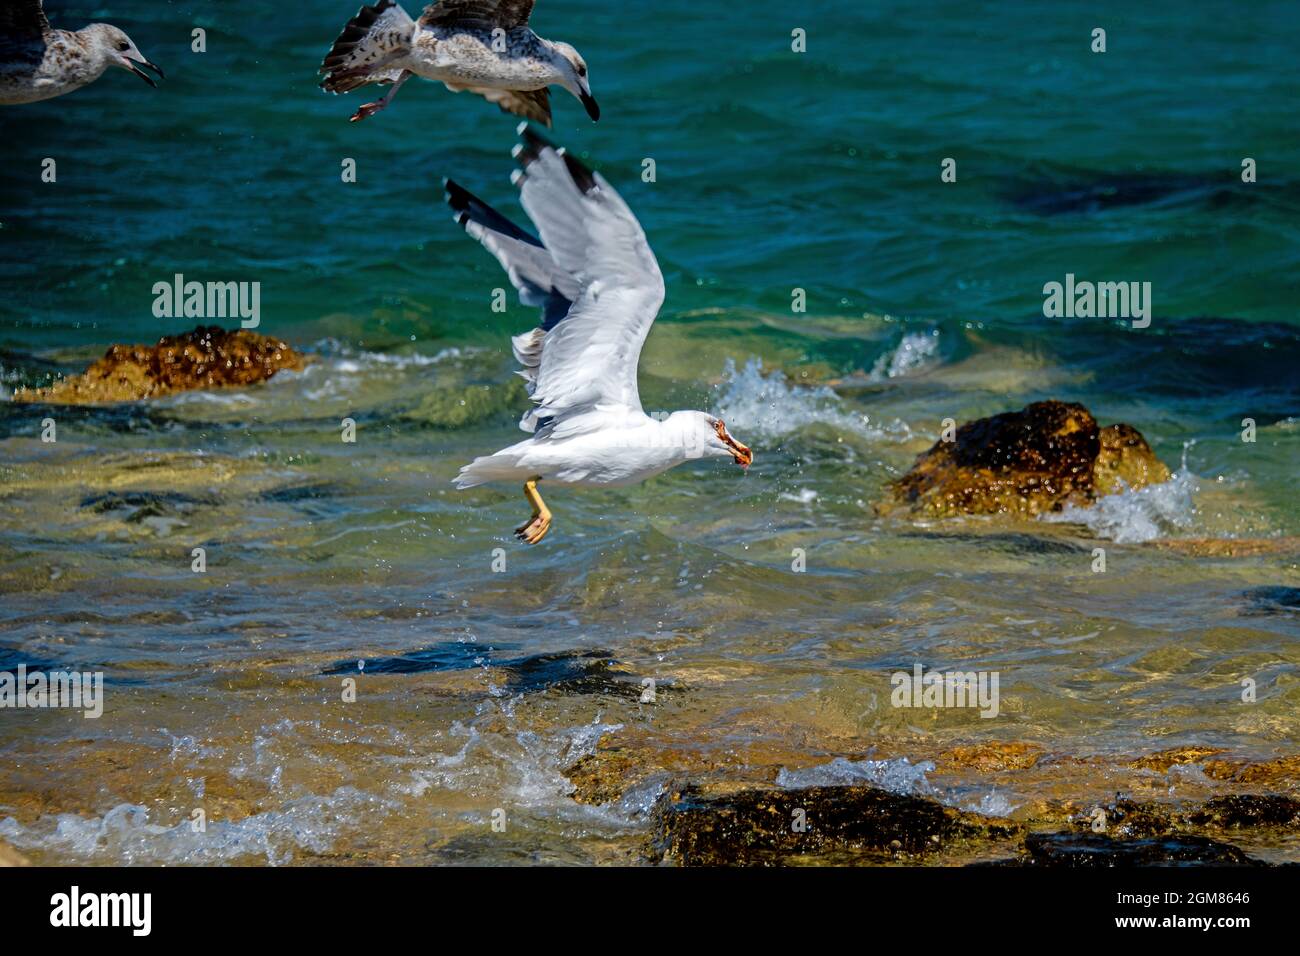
(38, 62)
(483, 46)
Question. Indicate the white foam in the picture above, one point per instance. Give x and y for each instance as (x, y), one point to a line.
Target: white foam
(991, 804)
(124, 834)
(915, 350)
(806, 496)
(898, 776)
(353, 361)
(524, 766)
(1136, 515)
(769, 405)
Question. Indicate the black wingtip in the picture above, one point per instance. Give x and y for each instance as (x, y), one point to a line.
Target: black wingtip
(533, 144)
(458, 197)
(583, 177)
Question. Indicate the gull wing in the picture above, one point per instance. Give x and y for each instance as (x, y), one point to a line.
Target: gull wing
(375, 37)
(23, 18)
(590, 358)
(593, 275)
(477, 14)
(530, 104)
(532, 271)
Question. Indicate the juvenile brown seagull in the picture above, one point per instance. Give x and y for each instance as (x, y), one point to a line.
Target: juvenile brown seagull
(38, 63)
(484, 46)
(599, 288)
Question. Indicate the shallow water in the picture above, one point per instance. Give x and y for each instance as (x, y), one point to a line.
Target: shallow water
(483, 675)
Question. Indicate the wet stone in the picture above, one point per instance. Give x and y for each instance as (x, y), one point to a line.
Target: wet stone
(1248, 810)
(207, 357)
(1100, 850)
(567, 672)
(138, 505)
(1039, 459)
(759, 827)
(1274, 599)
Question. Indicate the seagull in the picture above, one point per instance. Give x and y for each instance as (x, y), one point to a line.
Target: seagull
(483, 46)
(38, 63)
(599, 288)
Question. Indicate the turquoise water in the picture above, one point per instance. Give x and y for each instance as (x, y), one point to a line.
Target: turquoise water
(775, 171)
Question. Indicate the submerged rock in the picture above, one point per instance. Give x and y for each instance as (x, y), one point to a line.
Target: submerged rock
(1162, 760)
(1036, 460)
(1097, 850)
(575, 672)
(207, 357)
(1230, 547)
(456, 406)
(714, 815)
(992, 757)
(837, 824)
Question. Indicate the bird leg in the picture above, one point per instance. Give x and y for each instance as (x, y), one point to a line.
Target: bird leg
(370, 109)
(536, 527)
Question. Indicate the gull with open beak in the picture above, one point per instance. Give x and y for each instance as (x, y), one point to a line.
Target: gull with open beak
(599, 288)
(482, 46)
(38, 62)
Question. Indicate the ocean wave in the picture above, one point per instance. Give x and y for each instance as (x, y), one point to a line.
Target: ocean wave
(769, 405)
(1137, 515)
(345, 358)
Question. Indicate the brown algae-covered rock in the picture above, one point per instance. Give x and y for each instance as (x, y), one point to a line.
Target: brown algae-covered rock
(1028, 462)
(763, 827)
(1095, 850)
(207, 357)
(1125, 460)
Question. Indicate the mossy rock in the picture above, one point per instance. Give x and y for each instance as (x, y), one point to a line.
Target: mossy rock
(832, 824)
(1039, 459)
(207, 357)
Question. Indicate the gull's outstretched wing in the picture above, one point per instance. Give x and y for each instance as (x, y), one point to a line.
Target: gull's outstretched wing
(23, 18)
(592, 273)
(371, 41)
(590, 358)
(477, 14)
(532, 271)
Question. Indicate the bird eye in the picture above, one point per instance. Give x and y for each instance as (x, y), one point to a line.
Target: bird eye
(582, 71)
(124, 46)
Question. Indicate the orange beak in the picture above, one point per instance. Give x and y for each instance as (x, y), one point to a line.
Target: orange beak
(741, 454)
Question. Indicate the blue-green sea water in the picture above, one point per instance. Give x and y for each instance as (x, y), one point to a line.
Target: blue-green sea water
(774, 171)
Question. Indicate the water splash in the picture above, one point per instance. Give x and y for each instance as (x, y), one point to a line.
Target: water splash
(1137, 515)
(897, 776)
(125, 834)
(991, 804)
(914, 351)
(769, 405)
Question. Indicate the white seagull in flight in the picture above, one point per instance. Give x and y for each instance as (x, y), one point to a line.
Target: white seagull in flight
(599, 288)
